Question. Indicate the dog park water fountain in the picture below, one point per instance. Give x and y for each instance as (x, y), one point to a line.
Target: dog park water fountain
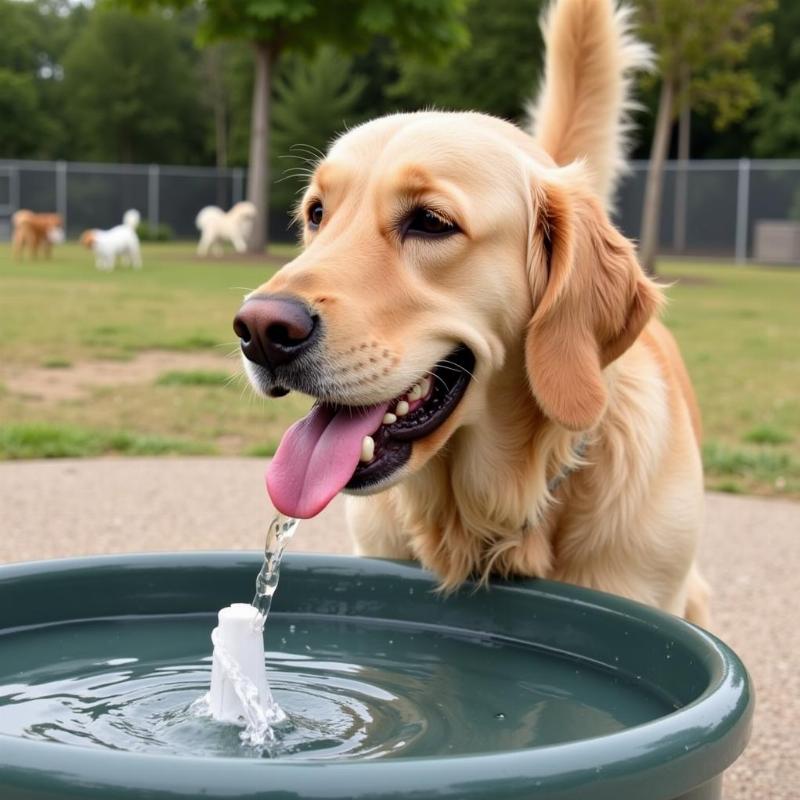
(374, 684)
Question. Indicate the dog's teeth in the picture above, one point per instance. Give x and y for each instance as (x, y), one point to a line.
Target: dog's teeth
(425, 386)
(388, 419)
(367, 448)
(415, 393)
(402, 408)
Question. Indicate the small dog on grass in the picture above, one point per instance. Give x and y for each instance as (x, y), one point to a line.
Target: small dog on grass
(119, 244)
(217, 227)
(33, 231)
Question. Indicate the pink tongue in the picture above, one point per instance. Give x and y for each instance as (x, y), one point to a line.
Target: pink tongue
(317, 457)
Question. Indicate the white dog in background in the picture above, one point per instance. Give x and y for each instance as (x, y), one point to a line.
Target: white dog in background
(217, 226)
(119, 244)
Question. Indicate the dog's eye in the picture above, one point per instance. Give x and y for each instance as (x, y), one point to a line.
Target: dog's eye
(425, 222)
(314, 214)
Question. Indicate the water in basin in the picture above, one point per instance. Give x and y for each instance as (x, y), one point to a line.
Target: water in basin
(351, 688)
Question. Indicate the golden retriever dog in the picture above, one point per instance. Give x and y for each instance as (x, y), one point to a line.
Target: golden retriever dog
(493, 386)
(33, 232)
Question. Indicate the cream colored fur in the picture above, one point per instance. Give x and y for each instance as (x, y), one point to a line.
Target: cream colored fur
(217, 227)
(580, 111)
(550, 299)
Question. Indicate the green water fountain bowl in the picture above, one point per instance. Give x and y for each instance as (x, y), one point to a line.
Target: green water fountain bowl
(525, 690)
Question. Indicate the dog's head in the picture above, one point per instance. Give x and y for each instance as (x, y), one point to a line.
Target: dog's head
(441, 250)
(243, 215)
(87, 239)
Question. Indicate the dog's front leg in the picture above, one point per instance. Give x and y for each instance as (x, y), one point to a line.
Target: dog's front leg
(375, 529)
(239, 244)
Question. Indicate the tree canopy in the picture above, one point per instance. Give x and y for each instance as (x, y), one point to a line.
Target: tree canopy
(424, 28)
(496, 73)
(701, 50)
(133, 90)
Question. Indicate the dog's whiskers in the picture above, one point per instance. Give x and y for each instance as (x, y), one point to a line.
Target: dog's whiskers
(304, 159)
(438, 378)
(236, 377)
(308, 148)
(297, 171)
(453, 367)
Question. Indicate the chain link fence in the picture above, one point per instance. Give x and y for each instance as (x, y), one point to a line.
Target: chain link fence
(741, 210)
(97, 195)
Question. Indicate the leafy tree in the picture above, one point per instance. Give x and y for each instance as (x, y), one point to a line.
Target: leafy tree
(238, 80)
(133, 92)
(428, 27)
(314, 99)
(700, 48)
(20, 37)
(214, 74)
(28, 56)
(778, 125)
(776, 122)
(24, 126)
(496, 74)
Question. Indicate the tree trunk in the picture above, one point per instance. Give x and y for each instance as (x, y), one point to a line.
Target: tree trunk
(648, 249)
(221, 134)
(214, 75)
(682, 175)
(258, 167)
(221, 137)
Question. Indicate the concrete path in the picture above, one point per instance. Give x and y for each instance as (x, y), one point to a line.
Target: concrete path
(750, 554)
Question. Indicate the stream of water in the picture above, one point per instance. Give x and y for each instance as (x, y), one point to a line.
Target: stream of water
(280, 531)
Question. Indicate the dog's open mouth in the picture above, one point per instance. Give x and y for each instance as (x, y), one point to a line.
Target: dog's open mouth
(358, 448)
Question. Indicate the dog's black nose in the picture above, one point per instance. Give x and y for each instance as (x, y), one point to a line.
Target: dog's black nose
(275, 329)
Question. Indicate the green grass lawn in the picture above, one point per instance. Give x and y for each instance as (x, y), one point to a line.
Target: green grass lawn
(738, 328)
(63, 313)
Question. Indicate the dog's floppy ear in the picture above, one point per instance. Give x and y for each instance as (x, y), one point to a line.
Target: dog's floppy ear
(591, 300)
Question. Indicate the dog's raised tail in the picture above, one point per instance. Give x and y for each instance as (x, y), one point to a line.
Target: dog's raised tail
(132, 218)
(581, 110)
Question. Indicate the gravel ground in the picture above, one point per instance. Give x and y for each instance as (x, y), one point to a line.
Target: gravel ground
(750, 554)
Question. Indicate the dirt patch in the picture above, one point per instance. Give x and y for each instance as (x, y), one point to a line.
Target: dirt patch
(77, 381)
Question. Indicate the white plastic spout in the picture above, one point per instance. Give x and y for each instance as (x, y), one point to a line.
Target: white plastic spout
(241, 637)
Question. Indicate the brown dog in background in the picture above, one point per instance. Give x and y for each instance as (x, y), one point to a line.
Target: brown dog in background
(33, 231)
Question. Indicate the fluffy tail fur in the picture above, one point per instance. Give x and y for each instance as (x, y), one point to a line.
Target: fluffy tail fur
(581, 109)
(132, 218)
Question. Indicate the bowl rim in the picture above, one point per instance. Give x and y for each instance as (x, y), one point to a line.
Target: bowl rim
(653, 753)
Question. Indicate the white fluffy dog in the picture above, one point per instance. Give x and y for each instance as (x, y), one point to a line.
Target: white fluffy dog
(217, 226)
(120, 243)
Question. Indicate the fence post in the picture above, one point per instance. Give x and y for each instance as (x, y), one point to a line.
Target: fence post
(153, 175)
(61, 191)
(14, 189)
(742, 209)
(238, 185)
(680, 206)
